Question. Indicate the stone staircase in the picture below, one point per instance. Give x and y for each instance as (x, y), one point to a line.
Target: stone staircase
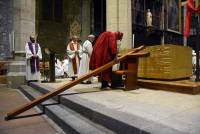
(69, 120)
(76, 115)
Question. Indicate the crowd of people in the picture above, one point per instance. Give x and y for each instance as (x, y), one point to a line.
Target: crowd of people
(79, 58)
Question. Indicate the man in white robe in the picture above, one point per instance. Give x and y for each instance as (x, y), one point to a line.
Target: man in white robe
(74, 51)
(85, 60)
(33, 57)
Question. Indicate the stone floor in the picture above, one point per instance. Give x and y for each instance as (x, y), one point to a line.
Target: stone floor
(174, 110)
(10, 99)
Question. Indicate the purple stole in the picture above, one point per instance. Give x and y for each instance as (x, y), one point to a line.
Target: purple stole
(34, 60)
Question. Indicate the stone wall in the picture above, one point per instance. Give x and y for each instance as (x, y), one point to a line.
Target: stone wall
(6, 28)
(55, 34)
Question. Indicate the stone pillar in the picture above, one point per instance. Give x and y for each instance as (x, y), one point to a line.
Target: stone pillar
(24, 26)
(85, 19)
(118, 18)
(24, 23)
(6, 28)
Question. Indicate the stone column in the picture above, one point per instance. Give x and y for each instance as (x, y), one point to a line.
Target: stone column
(6, 28)
(118, 18)
(24, 26)
(85, 19)
(24, 23)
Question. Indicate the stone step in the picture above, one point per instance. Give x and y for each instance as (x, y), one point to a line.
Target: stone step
(15, 79)
(117, 121)
(17, 66)
(69, 120)
(16, 73)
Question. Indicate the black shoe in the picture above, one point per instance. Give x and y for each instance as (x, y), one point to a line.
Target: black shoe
(73, 78)
(104, 84)
(88, 82)
(106, 88)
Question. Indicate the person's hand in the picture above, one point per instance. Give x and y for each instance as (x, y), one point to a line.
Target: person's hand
(35, 56)
(116, 59)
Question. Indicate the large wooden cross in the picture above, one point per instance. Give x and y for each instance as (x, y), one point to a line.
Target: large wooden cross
(66, 86)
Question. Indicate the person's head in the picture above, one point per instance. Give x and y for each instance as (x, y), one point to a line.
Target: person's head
(119, 35)
(65, 57)
(91, 37)
(32, 39)
(75, 38)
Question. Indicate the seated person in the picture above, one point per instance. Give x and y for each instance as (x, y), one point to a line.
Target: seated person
(65, 66)
(59, 71)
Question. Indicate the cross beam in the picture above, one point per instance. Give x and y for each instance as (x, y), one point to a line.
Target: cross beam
(66, 86)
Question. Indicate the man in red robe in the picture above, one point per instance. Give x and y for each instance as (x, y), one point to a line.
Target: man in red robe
(104, 51)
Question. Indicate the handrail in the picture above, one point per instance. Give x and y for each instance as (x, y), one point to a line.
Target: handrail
(66, 86)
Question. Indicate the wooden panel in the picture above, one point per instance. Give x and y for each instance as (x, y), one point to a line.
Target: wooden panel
(182, 86)
(166, 62)
(131, 79)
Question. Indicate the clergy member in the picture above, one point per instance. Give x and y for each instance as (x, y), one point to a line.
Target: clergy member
(104, 51)
(74, 51)
(33, 57)
(85, 59)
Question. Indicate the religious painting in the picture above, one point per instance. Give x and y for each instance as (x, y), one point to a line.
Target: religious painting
(173, 15)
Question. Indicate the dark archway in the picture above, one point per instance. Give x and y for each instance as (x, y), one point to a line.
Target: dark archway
(99, 16)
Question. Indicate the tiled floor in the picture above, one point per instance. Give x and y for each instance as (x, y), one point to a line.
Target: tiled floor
(10, 99)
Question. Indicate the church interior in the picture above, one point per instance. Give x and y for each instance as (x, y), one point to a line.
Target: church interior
(154, 74)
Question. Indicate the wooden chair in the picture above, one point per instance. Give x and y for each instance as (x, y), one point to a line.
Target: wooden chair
(44, 68)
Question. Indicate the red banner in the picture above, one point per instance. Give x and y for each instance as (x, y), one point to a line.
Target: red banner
(190, 9)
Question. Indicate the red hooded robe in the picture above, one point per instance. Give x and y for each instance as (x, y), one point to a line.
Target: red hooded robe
(104, 51)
